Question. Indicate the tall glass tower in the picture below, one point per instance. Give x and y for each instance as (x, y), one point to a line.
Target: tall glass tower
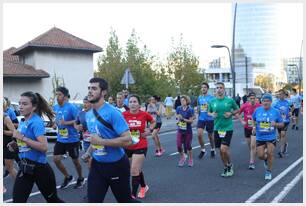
(257, 33)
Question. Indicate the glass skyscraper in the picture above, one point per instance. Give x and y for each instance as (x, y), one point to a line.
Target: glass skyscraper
(257, 33)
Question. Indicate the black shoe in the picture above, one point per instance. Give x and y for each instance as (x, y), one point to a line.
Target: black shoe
(293, 126)
(212, 153)
(280, 154)
(286, 148)
(296, 128)
(66, 182)
(79, 184)
(201, 154)
(6, 173)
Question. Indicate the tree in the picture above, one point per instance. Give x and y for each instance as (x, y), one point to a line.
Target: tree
(266, 81)
(182, 65)
(56, 82)
(111, 64)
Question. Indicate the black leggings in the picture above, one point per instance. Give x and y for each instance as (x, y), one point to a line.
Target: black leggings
(43, 177)
(116, 175)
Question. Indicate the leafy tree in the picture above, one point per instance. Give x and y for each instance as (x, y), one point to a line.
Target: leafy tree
(111, 64)
(266, 81)
(183, 65)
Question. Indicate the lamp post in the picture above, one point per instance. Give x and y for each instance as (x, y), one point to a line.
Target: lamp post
(231, 64)
(299, 74)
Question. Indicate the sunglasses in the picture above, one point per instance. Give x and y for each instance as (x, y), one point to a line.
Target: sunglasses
(219, 87)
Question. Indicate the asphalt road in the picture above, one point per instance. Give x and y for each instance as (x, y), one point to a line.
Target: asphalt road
(202, 183)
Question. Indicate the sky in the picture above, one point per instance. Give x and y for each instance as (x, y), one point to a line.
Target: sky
(202, 25)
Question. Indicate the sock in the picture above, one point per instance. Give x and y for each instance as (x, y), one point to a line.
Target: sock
(142, 181)
(203, 150)
(135, 184)
(212, 149)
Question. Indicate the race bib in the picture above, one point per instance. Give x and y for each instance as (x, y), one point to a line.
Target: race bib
(221, 133)
(63, 132)
(22, 146)
(204, 108)
(86, 136)
(99, 149)
(250, 122)
(264, 125)
(284, 117)
(182, 125)
(135, 136)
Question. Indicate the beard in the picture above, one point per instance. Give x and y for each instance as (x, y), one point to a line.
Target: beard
(95, 100)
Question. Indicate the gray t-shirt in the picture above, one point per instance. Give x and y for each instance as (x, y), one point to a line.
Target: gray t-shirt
(152, 109)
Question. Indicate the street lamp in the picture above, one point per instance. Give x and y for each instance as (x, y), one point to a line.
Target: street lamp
(231, 63)
(299, 74)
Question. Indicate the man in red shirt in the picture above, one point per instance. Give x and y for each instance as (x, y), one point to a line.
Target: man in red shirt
(137, 121)
(248, 109)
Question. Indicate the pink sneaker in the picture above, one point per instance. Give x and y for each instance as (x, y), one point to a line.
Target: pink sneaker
(182, 161)
(142, 191)
(190, 162)
(158, 154)
(162, 151)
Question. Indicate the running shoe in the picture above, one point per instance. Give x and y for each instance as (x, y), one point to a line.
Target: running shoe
(66, 182)
(280, 154)
(142, 191)
(202, 153)
(133, 197)
(182, 161)
(224, 173)
(268, 175)
(230, 170)
(293, 126)
(251, 166)
(190, 162)
(79, 184)
(296, 128)
(157, 153)
(266, 164)
(162, 151)
(212, 153)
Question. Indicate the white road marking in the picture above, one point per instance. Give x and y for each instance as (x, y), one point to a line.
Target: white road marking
(260, 192)
(287, 188)
(38, 192)
(175, 153)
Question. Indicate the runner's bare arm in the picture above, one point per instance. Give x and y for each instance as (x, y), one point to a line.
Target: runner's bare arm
(41, 144)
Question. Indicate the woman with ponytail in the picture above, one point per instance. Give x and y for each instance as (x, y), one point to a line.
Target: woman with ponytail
(32, 144)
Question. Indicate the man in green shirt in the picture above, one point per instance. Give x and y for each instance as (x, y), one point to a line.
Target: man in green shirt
(222, 109)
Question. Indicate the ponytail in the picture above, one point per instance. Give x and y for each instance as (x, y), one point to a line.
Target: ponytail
(42, 106)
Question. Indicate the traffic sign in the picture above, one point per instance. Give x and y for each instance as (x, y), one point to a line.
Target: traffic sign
(127, 78)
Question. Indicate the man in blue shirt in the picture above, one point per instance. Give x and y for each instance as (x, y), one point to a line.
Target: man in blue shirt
(265, 120)
(283, 106)
(204, 120)
(67, 137)
(296, 103)
(109, 133)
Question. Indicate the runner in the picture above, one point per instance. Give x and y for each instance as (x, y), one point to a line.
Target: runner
(222, 108)
(296, 102)
(111, 101)
(33, 147)
(155, 109)
(81, 125)
(265, 120)
(10, 112)
(204, 120)
(119, 102)
(67, 137)
(283, 106)
(248, 109)
(8, 156)
(137, 121)
(109, 134)
(169, 106)
(185, 117)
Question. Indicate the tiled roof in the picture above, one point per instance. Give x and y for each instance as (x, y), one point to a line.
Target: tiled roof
(12, 67)
(7, 55)
(57, 38)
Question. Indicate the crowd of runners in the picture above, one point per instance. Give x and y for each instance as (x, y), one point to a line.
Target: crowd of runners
(113, 133)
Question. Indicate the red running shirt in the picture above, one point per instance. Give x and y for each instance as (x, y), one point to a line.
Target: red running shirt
(248, 109)
(137, 124)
